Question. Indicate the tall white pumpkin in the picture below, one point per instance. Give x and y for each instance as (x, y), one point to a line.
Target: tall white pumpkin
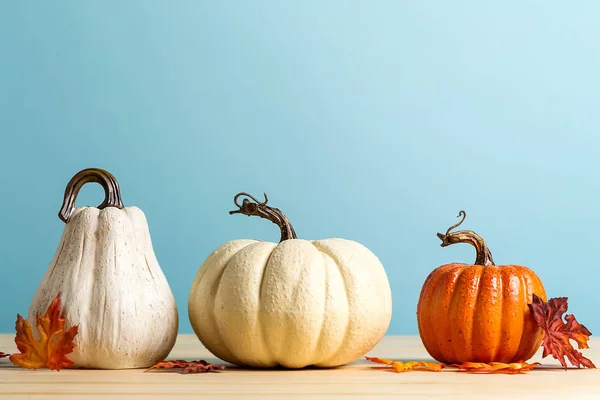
(110, 282)
(297, 303)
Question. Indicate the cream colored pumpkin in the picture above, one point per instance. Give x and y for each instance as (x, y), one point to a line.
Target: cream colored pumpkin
(297, 303)
(111, 283)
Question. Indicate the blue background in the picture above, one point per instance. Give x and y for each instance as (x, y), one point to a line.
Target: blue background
(372, 121)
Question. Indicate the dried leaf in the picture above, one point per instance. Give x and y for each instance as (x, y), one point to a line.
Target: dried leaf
(558, 334)
(188, 367)
(472, 367)
(2, 355)
(495, 367)
(416, 365)
(400, 366)
(379, 360)
(53, 344)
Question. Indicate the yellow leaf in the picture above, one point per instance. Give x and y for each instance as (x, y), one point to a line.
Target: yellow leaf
(400, 366)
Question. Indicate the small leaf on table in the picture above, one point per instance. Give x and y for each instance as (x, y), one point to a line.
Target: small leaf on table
(400, 366)
(53, 345)
(379, 360)
(495, 367)
(472, 367)
(557, 333)
(187, 367)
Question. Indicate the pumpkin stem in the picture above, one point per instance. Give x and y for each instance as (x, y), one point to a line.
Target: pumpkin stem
(262, 210)
(112, 194)
(484, 256)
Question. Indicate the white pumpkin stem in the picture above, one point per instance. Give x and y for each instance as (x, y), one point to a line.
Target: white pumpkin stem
(262, 210)
(112, 193)
(484, 256)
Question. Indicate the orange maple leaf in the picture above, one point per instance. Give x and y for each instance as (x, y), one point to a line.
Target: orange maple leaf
(495, 367)
(400, 366)
(472, 367)
(53, 344)
(558, 334)
(187, 367)
(379, 360)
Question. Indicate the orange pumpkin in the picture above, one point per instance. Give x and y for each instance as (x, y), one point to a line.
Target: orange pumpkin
(478, 312)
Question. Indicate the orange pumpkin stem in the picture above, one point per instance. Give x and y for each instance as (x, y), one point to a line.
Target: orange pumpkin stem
(262, 210)
(484, 256)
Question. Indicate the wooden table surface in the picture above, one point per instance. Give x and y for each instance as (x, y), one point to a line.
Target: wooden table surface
(359, 380)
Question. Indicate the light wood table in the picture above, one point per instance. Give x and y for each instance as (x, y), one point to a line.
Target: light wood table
(359, 380)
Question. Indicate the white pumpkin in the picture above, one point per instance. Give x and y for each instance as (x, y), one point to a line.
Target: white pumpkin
(297, 303)
(110, 281)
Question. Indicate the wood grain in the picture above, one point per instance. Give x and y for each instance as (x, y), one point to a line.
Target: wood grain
(359, 380)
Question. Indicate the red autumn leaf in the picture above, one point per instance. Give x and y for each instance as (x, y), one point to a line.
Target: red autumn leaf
(2, 355)
(495, 367)
(400, 366)
(53, 345)
(558, 334)
(187, 367)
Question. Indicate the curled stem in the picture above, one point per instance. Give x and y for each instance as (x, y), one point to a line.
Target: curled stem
(484, 256)
(262, 210)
